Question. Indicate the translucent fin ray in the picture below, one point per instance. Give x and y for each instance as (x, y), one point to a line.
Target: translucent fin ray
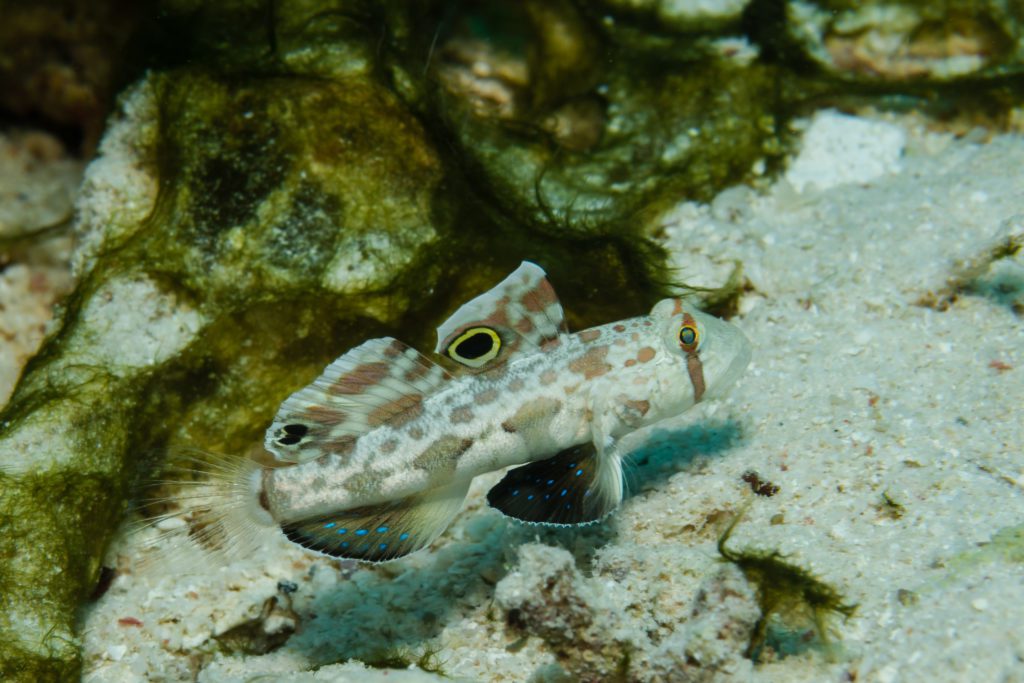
(371, 385)
(214, 515)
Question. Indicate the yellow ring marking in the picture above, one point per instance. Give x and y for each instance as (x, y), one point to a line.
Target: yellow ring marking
(483, 358)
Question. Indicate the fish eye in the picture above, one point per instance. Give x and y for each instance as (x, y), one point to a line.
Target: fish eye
(689, 337)
(475, 346)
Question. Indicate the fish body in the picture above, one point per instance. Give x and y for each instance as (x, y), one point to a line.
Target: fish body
(374, 458)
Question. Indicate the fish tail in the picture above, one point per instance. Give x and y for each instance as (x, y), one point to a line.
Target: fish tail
(205, 508)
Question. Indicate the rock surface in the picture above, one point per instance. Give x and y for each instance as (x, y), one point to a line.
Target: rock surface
(883, 432)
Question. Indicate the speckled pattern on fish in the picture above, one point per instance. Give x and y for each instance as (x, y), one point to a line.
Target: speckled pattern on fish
(374, 458)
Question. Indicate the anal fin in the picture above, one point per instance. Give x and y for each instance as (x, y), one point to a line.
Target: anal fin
(383, 532)
(576, 486)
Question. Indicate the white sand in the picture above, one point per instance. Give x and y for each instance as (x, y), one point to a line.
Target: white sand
(855, 394)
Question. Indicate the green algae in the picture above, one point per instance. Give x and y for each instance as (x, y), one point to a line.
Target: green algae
(1006, 545)
(246, 250)
(993, 272)
(331, 172)
(293, 217)
(608, 140)
(791, 599)
(428, 658)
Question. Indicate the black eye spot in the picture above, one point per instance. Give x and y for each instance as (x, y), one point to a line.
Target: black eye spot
(289, 440)
(295, 429)
(475, 346)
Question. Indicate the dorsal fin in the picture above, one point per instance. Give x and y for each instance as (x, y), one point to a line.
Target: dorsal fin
(375, 383)
(518, 314)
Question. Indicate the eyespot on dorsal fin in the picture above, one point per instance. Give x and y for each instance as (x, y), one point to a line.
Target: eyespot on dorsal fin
(376, 383)
(379, 533)
(576, 486)
(519, 314)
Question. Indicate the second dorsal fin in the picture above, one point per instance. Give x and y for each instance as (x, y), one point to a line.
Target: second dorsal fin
(376, 383)
(518, 314)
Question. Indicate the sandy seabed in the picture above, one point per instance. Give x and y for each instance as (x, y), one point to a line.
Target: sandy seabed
(882, 401)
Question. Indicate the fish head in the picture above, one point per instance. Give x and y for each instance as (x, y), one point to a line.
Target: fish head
(707, 355)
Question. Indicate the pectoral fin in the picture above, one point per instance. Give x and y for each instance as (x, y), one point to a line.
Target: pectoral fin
(574, 487)
(378, 533)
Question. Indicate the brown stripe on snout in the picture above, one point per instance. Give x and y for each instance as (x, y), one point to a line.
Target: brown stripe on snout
(693, 363)
(696, 370)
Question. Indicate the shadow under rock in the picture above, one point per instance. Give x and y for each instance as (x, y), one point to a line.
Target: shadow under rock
(393, 609)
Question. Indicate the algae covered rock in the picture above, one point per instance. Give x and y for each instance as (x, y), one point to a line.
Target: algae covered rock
(898, 40)
(293, 182)
(577, 133)
(217, 209)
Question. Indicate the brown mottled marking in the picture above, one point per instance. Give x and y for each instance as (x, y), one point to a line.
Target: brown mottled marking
(323, 415)
(646, 354)
(634, 337)
(364, 482)
(416, 433)
(620, 342)
(394, 349)
(677, 308)
(361, 377)
(416, 372)
(619, 328)
(539, 298)
(517, 384)
(532, 419)
(525, 325)
(441, 455)
(397, 412)
(461, 415)
(637, 409)
(343, 445)
(696, 370)
(551, 344)
(499, 317)
(548, 377)
(630, 362)
(591, 364)
(488, 396)
(587, 336)
(389, 446)
(647, 323)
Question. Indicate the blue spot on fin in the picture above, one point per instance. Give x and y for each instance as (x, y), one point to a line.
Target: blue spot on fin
(399, 527)
(574, 472)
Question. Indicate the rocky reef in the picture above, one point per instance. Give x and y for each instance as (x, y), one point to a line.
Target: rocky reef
(282, 180)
